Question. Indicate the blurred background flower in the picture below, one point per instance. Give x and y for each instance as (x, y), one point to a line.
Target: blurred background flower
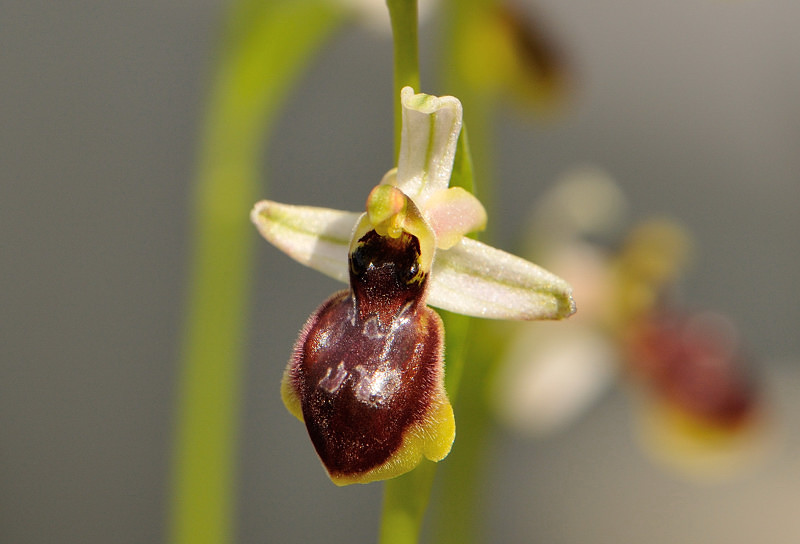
(702, 410)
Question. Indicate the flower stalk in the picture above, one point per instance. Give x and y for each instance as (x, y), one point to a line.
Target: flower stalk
(403, 14)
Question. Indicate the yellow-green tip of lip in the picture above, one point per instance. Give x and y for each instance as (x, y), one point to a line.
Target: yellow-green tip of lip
(432, 440)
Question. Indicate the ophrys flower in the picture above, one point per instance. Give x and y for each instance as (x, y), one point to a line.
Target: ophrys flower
(367, 372)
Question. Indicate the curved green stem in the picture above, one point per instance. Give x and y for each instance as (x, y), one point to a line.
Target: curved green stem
(266, 45)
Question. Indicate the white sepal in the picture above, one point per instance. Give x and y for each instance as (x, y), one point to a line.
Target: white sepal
(475, 279)
(316, 237)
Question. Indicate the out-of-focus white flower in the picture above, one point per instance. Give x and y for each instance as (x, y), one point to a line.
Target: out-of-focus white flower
(552, 375)
(549, 377)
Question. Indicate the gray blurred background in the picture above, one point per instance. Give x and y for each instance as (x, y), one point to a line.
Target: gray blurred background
(691, 105)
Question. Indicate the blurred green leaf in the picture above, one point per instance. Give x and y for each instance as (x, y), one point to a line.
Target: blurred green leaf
(265, 47)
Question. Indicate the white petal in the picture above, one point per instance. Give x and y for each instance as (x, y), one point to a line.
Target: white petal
(452, 213)
(476, 279)
(431, 125)
(316, 237)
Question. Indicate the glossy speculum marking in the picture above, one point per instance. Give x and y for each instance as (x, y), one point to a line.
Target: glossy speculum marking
(367, 367)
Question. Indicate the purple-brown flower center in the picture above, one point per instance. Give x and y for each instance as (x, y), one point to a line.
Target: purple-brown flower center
(368, 362)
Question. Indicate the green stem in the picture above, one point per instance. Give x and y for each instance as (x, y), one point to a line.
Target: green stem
(403, 14)
(266, 44)
(406, 497)
(404, 504)
(459, 513)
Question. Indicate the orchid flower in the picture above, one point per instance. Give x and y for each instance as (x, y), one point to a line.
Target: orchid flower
(367, 372)
(701, 412)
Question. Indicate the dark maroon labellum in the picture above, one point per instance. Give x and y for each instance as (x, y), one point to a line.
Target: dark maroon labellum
(368, 364)
(694, 368)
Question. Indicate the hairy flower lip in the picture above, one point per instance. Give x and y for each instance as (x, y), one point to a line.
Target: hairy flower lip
(375, 405)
